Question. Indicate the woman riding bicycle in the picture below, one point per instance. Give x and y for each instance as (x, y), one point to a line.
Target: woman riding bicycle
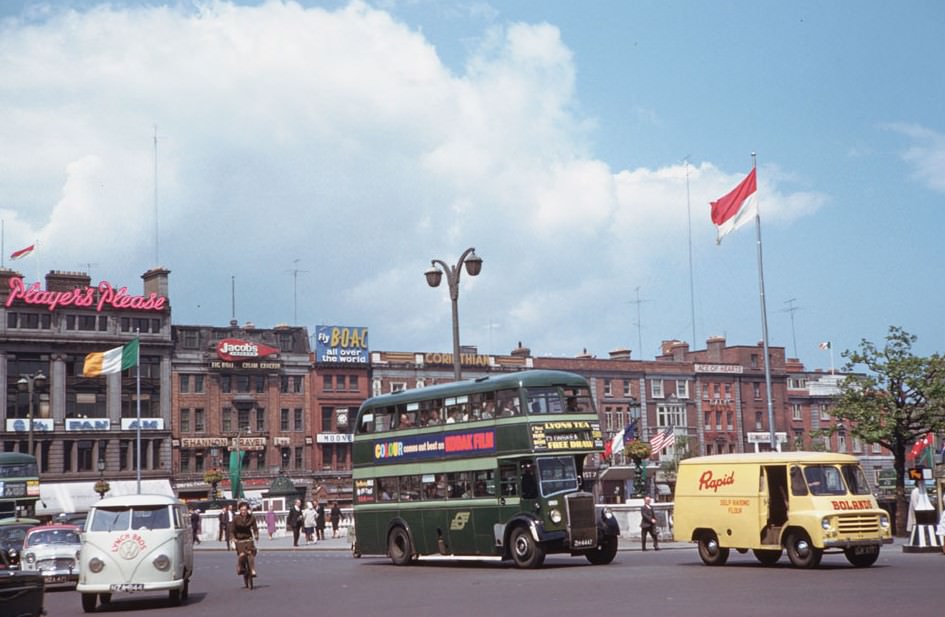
(243, 529)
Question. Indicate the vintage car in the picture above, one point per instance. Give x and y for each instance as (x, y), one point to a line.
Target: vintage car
(12, 533)
(53, 551)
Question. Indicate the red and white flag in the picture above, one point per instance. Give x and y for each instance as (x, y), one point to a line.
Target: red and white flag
(736, 208)
(22, 252)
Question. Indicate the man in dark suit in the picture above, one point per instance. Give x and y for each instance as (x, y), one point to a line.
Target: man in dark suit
(226, 517)
(648, 524)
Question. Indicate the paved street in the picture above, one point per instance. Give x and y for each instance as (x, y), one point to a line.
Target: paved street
(325, 580)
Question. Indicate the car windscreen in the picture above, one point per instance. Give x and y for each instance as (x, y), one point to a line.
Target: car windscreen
(52, 536)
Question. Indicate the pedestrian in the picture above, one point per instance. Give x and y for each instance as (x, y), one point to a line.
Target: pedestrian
(293, 521)
(195, 524)
(335, 517)
(270, 521)
(319, 521)
(308, 522)
(648, 524)
(226, 517)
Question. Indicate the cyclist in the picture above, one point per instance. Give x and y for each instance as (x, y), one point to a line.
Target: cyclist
(243, 530)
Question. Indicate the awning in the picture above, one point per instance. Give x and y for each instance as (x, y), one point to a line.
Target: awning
(67, 497)
(617, 473)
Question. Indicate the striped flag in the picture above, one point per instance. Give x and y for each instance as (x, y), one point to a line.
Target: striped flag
(20, 254)
(662, 440)
(616, 444)
(825, 345)
(112, 361)
(736, 208)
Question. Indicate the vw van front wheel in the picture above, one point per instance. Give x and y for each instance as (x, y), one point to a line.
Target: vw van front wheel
(801, 552)
(710, 552)
(89, 600)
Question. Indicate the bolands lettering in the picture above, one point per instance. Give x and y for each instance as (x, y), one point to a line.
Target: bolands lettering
(854, 504)
(707, 481)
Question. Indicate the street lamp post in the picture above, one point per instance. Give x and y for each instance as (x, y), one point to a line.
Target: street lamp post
(101, 487)
(435, 275)
(28, 383)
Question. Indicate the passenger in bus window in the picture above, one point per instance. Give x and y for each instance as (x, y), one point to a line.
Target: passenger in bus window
(488, 411)
(406, 421)
(434, 417)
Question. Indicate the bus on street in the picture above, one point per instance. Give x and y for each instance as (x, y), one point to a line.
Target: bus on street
(486, 467)
(19, 484)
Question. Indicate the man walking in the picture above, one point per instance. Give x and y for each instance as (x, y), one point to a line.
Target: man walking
(648, 524)
(226, 517)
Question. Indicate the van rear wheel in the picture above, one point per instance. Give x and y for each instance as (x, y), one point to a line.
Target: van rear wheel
(801, 552)
(710, 552)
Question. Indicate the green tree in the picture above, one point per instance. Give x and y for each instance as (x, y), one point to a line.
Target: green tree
(899, 398)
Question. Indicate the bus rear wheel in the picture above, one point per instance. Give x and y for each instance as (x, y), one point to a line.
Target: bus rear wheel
(399, 546)
(604, 553)
(526, 552)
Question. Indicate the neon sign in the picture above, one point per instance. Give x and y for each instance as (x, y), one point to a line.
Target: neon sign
(102, 297)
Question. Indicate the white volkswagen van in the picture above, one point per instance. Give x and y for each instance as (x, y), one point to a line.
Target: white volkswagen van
(135, 543)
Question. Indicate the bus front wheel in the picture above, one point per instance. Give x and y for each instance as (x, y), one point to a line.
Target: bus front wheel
(399, 546)
(604, 553)
(526, 552)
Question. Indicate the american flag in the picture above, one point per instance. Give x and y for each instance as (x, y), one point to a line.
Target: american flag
(662, 440)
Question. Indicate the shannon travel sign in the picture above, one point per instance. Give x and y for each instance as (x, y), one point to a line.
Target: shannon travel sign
(237, 350)
(101, 298)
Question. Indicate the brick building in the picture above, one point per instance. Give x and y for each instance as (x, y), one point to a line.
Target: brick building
(86, 428)
(246, 386)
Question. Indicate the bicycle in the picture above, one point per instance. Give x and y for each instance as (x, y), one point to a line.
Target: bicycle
(246, 550)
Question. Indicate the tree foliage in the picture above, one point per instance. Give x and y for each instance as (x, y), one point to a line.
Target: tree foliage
(898, 399)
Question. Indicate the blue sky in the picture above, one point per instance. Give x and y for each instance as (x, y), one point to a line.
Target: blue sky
(365, 139)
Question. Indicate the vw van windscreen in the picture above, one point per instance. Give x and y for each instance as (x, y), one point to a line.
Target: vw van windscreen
(135, 518)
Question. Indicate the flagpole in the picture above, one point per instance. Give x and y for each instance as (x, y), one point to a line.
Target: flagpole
(764, 321)
(3, 245)
(138, 415)
(692, 288)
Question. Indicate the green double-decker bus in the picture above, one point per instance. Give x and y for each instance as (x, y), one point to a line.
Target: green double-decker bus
(489, 467)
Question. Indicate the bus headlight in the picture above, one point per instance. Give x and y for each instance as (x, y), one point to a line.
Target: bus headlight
(162, 563)
(96, 565)
(883, 521)
(555, 515)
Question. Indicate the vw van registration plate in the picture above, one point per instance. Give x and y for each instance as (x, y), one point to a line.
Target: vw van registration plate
(126, 587)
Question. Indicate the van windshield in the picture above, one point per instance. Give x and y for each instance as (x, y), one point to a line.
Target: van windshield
(123, 518)
(856, 479)
(824, 480)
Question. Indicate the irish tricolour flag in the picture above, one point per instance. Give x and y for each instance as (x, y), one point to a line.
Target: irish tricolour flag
(736, 208)
(112, 361)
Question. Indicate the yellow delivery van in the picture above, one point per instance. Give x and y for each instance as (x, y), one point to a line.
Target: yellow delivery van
(805, 503)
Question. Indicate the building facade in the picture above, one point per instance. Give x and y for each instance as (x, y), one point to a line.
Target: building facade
(247, 389)
(86, 428)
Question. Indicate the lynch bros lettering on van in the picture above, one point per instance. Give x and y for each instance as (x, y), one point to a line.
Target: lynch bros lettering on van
(805, 503)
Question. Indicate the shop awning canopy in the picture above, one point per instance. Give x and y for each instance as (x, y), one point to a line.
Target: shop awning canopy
(68, 497)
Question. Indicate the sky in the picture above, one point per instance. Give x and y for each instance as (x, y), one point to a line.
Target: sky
(312, 158)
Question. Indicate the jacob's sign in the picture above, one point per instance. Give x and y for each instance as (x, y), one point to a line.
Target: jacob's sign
(235, 350)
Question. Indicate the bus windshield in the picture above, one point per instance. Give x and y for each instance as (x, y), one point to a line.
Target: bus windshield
(558, 474)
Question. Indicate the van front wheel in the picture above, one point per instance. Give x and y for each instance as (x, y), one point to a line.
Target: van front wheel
(710, 552)
(801, 552)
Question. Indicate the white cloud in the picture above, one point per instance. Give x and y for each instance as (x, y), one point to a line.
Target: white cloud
(926, 154)
(340, 139)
